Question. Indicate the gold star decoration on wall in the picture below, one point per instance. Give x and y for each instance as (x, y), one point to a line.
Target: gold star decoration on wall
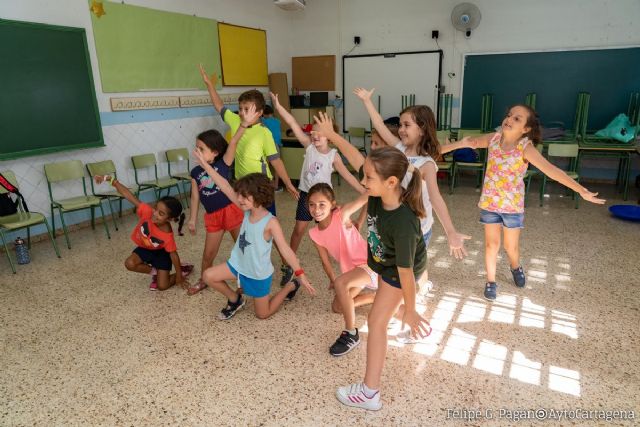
(97, 8)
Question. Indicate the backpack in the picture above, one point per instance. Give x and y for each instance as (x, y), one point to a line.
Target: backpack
(7, 205)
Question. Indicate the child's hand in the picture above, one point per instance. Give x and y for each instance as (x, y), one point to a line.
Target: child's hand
(420, 328)
(324, 123)
(182, 282)
(274, 100)
(363, 94)
(99, 179)
(456, 245)
(199, 157)
(293, 191)
(250, 117)
(206, 79)
(305, 282)
(591, 197)
(470, 142)
(192, 227)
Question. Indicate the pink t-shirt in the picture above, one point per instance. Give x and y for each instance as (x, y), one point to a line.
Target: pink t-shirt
(345, 245)
(503, 189)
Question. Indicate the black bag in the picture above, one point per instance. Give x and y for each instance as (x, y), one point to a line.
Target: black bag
(7, 205)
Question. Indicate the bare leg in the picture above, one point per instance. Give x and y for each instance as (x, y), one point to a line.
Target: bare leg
(134, 263)
(216, 276)
(211, 246)
(386, 303)
(491, 248)
(165, 280)
(512, 246)
(268, 305)
(345, 286)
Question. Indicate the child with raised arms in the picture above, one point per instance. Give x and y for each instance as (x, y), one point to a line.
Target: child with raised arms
(250, 260)
(156, 249)
(221, 214)
(510, 150)
(319, 163)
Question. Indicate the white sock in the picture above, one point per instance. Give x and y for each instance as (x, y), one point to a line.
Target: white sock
(368, 392)
(352, 331)
(153, 271)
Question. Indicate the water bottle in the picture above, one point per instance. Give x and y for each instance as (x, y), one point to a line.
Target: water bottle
(22, 252)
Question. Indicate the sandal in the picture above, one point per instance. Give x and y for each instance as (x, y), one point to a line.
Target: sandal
(196, 287)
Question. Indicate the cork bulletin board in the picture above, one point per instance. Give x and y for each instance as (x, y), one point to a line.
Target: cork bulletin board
(314, 72)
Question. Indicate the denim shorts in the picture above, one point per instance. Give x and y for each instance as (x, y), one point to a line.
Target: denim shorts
(508, 220)
(256, 288)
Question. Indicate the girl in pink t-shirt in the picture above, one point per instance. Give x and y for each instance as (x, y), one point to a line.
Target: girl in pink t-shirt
(344, 244)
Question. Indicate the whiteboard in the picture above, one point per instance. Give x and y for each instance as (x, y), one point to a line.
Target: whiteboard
(393, 75)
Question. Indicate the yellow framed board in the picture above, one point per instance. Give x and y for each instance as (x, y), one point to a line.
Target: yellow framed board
(243, 53)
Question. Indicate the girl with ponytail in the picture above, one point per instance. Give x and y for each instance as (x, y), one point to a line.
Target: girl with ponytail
(397, 253)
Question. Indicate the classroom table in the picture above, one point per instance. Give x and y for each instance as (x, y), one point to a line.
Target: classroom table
(608, 150)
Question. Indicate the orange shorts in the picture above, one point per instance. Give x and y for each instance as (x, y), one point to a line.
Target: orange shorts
(227, 219)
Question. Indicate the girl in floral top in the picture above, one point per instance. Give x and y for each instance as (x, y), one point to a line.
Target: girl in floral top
(510, 150)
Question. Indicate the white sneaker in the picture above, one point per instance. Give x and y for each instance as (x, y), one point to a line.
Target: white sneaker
(353, 395)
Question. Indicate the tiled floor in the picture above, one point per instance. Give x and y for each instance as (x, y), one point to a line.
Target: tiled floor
(84, 342)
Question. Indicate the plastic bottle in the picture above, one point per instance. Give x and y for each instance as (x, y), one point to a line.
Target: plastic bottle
(22, 252)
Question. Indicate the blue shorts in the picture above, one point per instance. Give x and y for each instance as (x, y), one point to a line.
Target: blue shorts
(253, 287)
(395, 283)
(302, 211)
(158, 258)
(508, 220)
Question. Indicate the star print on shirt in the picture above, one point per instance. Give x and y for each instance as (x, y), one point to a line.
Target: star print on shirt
(243, 242)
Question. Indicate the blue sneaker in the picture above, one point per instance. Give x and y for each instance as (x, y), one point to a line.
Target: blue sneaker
(519, 277)
(490, 291)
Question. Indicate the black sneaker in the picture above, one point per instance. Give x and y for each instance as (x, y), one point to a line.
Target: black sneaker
(230, 310)
(345, 343)
(519, 277)
(292, 294)
(490, 291)
(287, 275)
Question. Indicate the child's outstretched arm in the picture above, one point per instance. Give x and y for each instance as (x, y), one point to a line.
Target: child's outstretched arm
(211, 87)
(348, 209)
(121, 189)
(249, 117)
(278, 166)
(290, 120)
(342, 170)
(557, 174)
(419, 326)
(175, 260)
(351, 153)
(480, 141)
(218, 179)
(376, 118)
(455, 239)
(273, 227)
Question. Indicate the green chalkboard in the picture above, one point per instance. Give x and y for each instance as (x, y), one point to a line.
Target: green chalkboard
(610, 75)
(48, 100)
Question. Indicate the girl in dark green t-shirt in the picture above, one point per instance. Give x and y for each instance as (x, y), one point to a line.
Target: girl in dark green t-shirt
(396, 251)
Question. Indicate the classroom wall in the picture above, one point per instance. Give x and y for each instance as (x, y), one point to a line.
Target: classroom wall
(328, 27)
(136, 132)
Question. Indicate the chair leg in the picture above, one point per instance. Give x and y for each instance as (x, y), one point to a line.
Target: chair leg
(53, 241)
(6, 249)
(454, 171)
(93, 219)
(104, 221)
(186, 192)
(64, 229)
(120, 208)
(29, 237)
(542, 188)
(53, 222)
(113, 214)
